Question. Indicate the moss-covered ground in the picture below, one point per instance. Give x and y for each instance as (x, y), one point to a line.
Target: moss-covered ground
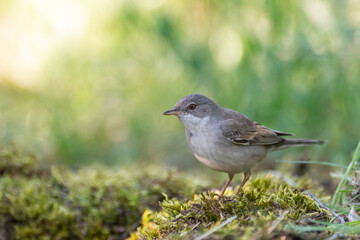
(255, 212)
(103, 203)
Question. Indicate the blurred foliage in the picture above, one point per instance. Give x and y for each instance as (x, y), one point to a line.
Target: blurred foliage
(292, 66)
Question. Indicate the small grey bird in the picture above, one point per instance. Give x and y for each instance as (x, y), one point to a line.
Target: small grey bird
(226, 140)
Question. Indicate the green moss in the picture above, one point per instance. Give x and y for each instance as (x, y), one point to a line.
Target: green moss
(101, 203)
(92, 203)
(14, 162)
(261, 202)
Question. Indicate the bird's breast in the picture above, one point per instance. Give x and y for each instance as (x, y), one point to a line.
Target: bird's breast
(219, 154)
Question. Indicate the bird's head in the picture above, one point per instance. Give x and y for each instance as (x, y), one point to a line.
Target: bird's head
(193, 109)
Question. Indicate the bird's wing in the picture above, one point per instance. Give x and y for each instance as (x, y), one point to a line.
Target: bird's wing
(250, 133)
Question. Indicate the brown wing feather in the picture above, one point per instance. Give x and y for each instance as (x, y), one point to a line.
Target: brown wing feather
(250, 133)
(281, 133)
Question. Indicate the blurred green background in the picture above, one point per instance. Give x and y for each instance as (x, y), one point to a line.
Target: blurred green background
(87, 81)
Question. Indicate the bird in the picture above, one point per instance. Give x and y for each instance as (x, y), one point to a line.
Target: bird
(226, 140)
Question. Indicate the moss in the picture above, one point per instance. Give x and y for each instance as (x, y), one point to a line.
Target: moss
(261, 202)
(92, 203)
(14, 162)
(101, 203)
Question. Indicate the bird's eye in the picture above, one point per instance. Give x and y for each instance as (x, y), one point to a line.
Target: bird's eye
(192, 106)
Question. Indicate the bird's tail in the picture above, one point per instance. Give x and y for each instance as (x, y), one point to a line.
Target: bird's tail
(295, 143)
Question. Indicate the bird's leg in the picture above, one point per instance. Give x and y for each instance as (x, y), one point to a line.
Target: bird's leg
(247, 174)
(231, 176)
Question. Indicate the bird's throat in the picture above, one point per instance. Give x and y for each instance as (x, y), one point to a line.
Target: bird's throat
(193, 123)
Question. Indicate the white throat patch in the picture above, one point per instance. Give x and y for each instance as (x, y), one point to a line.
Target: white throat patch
(191, 122)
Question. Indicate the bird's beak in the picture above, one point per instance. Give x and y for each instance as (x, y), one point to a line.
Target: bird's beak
(173, 112)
